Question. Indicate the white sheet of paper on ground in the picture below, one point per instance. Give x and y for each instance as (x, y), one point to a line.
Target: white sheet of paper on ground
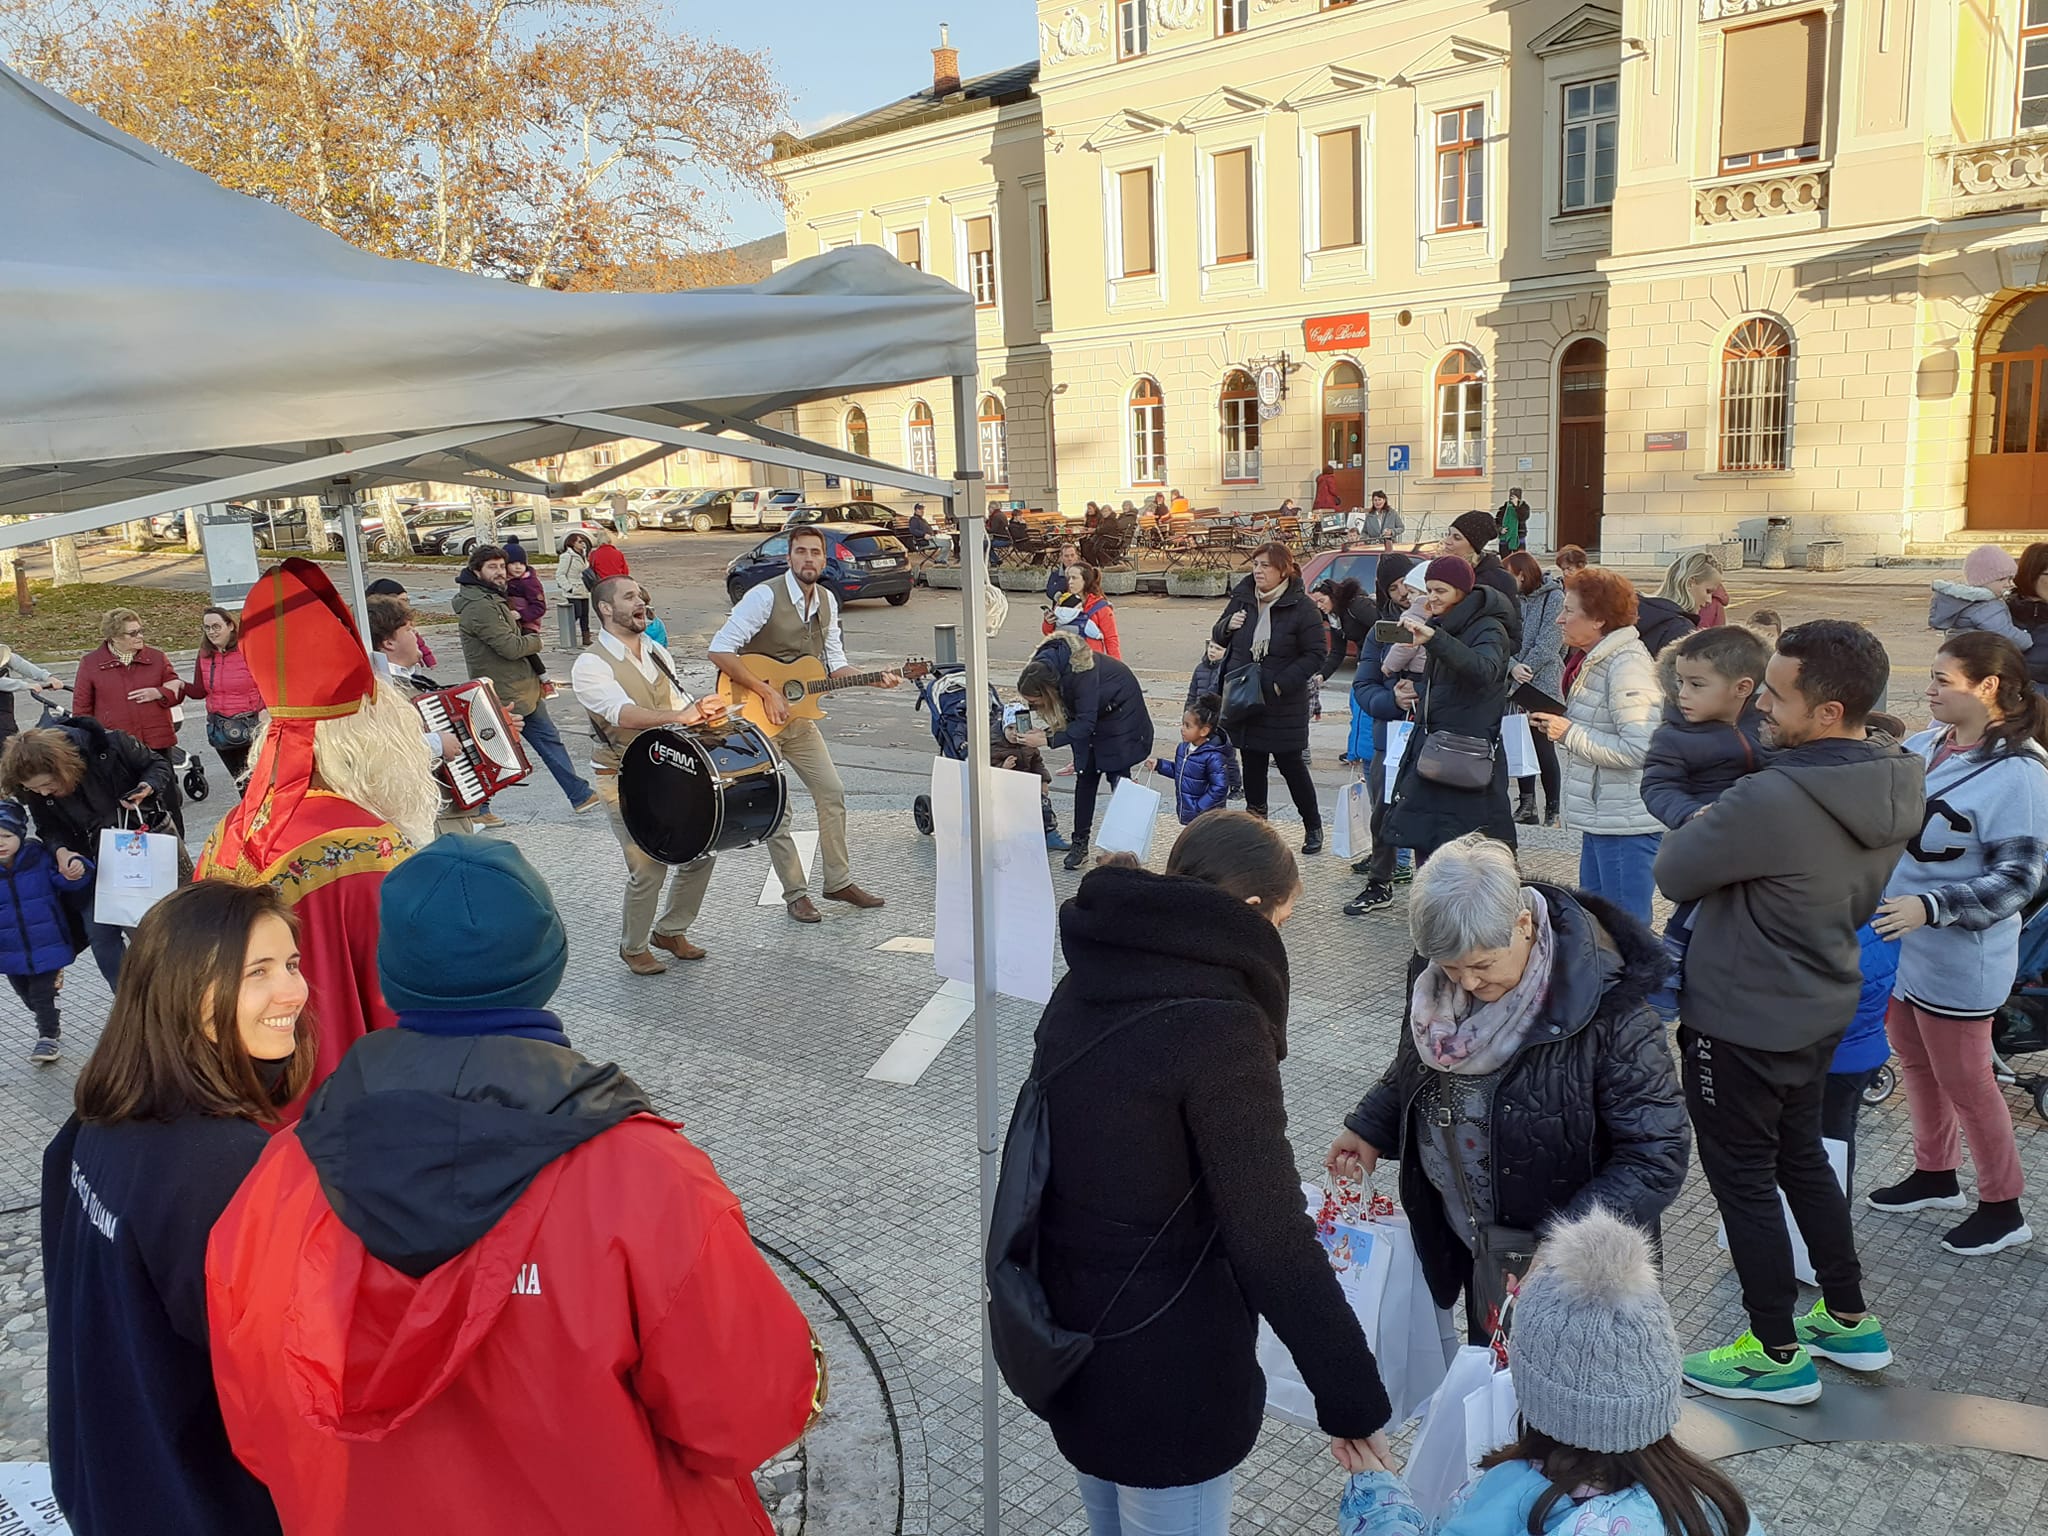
(907, 944)
(1021, 908)
(807, 851)
(1802, 1261)
(26, 1503)
(919, 1045)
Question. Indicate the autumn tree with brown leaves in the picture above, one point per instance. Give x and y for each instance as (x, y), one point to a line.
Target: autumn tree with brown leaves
(559, 143)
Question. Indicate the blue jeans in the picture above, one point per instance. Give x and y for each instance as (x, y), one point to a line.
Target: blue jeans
(1620, 868)
(545, 742)
(1200, 1509)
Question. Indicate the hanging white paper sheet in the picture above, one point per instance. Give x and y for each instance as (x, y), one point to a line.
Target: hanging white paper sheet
(1021, 909)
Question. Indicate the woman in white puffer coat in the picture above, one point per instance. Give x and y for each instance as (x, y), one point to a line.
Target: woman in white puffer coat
(1603, 736)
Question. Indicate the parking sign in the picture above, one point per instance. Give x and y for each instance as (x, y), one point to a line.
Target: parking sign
(1397, 459)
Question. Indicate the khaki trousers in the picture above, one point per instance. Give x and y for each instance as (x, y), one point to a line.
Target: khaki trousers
(803, 748)
(644, 879)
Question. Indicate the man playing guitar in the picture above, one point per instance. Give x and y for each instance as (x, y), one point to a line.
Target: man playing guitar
(785, 619)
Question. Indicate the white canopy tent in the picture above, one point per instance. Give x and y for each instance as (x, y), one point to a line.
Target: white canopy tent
(169, 343)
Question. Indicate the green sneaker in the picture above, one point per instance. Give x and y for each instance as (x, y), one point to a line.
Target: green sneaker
(1745, 1369)
(1861, 1348)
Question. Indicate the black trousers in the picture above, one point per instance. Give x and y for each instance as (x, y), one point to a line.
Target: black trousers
(580, 607)
(234, 759)
(40, 994)
(1841, 1101)
(1546, 765)
(1757, 1118)
(1300, 787)
(1087, 784)
(1379, 869)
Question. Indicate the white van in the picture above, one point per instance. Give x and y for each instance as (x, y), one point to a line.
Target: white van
(762, 506)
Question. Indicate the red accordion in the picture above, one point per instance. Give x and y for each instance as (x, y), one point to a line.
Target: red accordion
(492, 756)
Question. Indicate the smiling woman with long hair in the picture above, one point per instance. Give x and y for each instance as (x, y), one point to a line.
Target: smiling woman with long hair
(206, 1039)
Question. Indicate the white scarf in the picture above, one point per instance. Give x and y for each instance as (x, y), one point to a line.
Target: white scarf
(1262, 632)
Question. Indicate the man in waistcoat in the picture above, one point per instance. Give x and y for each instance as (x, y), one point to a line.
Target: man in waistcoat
(785, 619)
(628, 684)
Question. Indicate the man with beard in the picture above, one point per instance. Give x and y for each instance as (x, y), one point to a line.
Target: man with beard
(339, 796)
(628, 684)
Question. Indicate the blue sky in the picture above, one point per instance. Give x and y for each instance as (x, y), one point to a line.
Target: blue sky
(838, 57)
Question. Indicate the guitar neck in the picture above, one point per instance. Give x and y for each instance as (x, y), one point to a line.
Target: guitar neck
(833, 684)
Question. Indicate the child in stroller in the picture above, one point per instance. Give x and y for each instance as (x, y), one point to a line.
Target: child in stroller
(942, 693)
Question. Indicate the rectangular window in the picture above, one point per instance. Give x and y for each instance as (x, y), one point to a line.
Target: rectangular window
(1461, 168)
(2033, 111)
(1231, 174)
(981, 261)
(1134, 192)
(910, 247)
(1592, 125)
(1233, 17)
(1774, 92)
(1044, 255)
(1240, 439)
(1133, 28)
(1338, 223)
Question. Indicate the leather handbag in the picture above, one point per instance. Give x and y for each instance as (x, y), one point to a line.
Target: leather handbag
(1452, 760)
(1244, 695)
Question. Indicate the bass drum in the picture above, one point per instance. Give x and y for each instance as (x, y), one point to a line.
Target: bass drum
(685, 793)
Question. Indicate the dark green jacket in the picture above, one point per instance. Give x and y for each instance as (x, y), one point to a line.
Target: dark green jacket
(494, 646)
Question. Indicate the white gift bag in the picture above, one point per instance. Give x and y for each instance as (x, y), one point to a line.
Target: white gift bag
(1351, 827)
(1442, 1457)
(1802, 1261)
(1518, 742)
(1397, 748)
(1131, 820)
(136, 871)
(1381, 1277)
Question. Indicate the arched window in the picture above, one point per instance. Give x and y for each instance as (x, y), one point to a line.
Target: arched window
(995, 445)
(1240, 424)
(924, 441)
(1461, 414)
(1756, 397)
(855, 429)
(1148, 434)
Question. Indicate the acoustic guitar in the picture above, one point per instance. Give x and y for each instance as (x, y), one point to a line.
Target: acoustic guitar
(803, 683)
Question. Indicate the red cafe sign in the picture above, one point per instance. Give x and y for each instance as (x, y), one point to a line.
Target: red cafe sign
(1337, 333)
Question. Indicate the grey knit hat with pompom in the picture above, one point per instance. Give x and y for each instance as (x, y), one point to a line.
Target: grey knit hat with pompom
(1594, 1355)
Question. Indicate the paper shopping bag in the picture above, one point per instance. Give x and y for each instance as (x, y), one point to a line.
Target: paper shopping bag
(1351, 827)
(1132, 818)
(136, 871)
(1442, 1458)
(1397, 748)
(1802, 1261)
(1518, 744)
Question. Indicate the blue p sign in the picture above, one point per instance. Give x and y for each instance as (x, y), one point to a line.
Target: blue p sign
(1397, 459)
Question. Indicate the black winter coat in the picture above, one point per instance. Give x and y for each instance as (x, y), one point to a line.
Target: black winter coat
(2031, 614)
(1187, 1093)
(1467, 694)
(1492, 571)
(1659, 621)
(1691, 764)
(1343, 630)
(1292, 664)
(1588, 1112)
(1107, 725)
(115, 763)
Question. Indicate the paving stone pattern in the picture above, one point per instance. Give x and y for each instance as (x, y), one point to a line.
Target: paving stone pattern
(761, 1049)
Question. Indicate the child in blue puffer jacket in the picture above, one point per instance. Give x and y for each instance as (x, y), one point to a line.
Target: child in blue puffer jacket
(39, 936)
(1199, 766)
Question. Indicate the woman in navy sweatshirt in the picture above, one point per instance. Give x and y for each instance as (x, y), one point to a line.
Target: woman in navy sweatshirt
(202, 1046)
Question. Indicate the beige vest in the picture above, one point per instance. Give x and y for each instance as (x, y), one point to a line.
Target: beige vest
(786, 636)
(608, 741)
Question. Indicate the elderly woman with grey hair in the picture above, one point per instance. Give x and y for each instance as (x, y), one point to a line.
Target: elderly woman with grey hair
(1532, 1080)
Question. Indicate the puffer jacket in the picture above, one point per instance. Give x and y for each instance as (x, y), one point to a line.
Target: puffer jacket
(1465, 693)
(1291, 666)
(1691, 765)
(39, 930)
(1201, 777)
(494, 646)
(2031, 615)
(1107, 726)
(1588, 1112)
(1659, 621)
(1542, 648)
(1614, 708)
(1958, 605)
(116, 764)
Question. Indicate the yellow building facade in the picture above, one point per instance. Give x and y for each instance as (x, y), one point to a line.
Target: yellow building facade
(1673, 267)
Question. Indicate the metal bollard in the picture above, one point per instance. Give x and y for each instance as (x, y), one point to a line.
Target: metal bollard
(567, 617)
(946, 644)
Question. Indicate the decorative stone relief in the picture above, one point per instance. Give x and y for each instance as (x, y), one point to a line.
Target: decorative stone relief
(1176, 15)
(1723, 10)
(2010, 173)
(1761, 197)
(1079, 34)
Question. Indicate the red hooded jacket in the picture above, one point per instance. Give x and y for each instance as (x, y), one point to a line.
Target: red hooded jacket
(592, 1344)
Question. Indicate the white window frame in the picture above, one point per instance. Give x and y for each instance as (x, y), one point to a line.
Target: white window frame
(962, 219)
(1233, 17)
(1138, 437)
(921, 440)
(1147, 289)
(994, 437)
(924, 244)
(1255, 215)
(1237, 418)
(1471, 449)
(1589, 126)
(1133, 24)
(2032, 28)
(1313, 187)
(1438, 148)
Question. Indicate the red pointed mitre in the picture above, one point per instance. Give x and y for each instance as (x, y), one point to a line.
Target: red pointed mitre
(309, 665)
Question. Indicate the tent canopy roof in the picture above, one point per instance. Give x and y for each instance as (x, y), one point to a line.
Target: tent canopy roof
(164, 333)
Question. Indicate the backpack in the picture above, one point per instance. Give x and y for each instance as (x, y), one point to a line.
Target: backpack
(1037, 1354)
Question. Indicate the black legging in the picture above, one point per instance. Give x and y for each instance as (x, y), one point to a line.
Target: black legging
(1086, 782)
(1546, 765)
(1294, 769)
(580, 606)
(234, 759)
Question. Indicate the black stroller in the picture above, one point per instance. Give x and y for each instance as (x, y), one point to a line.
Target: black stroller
(942, 693)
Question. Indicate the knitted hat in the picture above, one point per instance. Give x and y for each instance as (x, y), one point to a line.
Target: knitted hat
(467, 923)
(1594, 1355)
(1987, 565)
(1478, 528)
(1451, 571)
(515, 552)
(13, 818)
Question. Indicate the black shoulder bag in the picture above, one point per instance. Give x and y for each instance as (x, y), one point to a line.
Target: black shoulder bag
(1037, 1354)
(1452, 760)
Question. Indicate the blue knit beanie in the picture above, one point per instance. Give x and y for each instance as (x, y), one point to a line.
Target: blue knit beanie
(13, 818)
(467, 923)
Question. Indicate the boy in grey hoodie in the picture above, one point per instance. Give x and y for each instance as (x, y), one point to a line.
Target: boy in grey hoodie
(1786, 866)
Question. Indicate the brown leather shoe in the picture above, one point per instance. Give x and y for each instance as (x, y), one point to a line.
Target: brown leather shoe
(854, 896)
(641, 963)
(678, 945)
(805, 911)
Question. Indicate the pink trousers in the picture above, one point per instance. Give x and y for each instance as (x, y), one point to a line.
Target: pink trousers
(1949, 1084)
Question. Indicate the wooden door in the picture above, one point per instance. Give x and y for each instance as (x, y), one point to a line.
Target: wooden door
(1581, 443)
(2009, 442)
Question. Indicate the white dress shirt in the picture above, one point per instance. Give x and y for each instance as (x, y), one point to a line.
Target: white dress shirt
(385, 667)
(600, 692)
(751, 613)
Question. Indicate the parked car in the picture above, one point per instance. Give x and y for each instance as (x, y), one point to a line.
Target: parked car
(873, 513)
(419, 522)
(1360, 565)
(760, 506)
(647, 495)
(460, 538)
(698, 511)
(861, 562)
(596, 507)
(288, 529)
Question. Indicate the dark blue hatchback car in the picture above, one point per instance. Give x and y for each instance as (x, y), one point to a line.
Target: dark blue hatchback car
(861, 561)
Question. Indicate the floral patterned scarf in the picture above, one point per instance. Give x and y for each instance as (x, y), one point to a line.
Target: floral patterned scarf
(1456, 1033)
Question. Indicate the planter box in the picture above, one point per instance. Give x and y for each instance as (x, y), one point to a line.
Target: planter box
(945, 578)
(1021, 579)
(1121, 581)
(1730, 557)
(1210, 584)
(1825, 555)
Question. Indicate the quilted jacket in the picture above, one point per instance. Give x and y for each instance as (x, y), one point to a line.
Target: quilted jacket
(1614, 707)
(1588, 1111)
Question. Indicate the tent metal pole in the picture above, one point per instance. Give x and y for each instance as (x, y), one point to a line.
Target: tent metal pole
(968, 513)
(352, 543)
